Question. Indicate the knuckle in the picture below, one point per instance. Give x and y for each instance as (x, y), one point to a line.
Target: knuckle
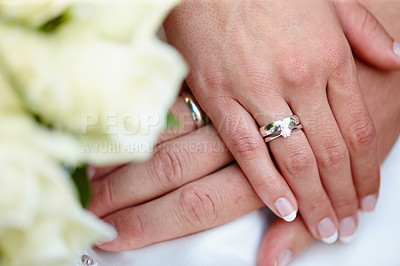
(137, 228)
(370, 184)
(214, 81)
(263, 181)
(198, 207)
(345, 205)
(318, 204)
(102, 199)
(298, 162)
(246, 146)
(168, 166)
(298, 71)
(337, 55)
(370, 26)
(222, 101)
(333, 156)
(362, 135)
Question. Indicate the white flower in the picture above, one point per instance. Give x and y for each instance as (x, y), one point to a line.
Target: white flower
(9, 100)
(41, 221)
(32, 13)
(112, 95)
(102, 84)
(122, 20)
(17, 124)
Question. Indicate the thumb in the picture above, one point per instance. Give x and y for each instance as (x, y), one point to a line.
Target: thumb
(282, 242)
(366, 35)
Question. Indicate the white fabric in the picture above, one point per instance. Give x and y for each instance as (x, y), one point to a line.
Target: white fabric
(233, 244)
(236, 243)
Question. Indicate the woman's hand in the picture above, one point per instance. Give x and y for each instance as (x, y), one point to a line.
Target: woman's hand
(285, 241)
(254, 62)
(381, 91)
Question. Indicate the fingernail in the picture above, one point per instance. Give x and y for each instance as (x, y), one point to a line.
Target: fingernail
(396, 48)
(285, 209)
(91, 171)
(327, 231)
(113, 236)
(368, 203)
(347, 229)
(284, 258)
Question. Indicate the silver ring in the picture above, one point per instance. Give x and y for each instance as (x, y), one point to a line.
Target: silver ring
(282, 127)
(198, 115)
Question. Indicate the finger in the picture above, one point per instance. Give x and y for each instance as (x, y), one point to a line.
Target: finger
(297, 164)
(181, 112)
(195, 207)
(358, 131)
(283, 242)
(173, 164)
(332, 158)
(186, 125)
(98, 172)
(240, 133)
(296, 161)
(368, 38)
(383, 104)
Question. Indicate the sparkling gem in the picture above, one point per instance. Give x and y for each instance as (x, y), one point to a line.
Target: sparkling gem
(87, 260)
(284, 126)
(292, 122)
(270, 128)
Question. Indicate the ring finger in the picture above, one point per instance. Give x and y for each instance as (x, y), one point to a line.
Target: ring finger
(298, 165)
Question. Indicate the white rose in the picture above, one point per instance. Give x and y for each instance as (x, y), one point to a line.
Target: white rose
(32, 12)
(122, 20)
(9, 100)
(113, 96)
(41, 221)
(20, 128)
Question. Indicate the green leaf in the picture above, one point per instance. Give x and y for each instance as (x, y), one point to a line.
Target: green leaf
(172, 121)
(82, 182)
(53, 24)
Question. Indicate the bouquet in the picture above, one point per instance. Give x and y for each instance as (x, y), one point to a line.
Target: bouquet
(81, 82)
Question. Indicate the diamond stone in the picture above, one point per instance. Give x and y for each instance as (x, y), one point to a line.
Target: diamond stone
(284, 126)
(87, 260)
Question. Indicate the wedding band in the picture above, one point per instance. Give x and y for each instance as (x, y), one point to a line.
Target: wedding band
(198, 115)
(291, 128)
(282, 127)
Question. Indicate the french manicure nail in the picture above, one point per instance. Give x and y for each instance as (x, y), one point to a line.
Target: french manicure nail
(285, 209)
(368, 203)
(396, 48)
(284, 258)
(347, 229)
(113, 236)
(327, 231)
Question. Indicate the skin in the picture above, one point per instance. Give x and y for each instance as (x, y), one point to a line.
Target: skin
(191, 194)
(381, 92)
(213, 198)
(268, 59)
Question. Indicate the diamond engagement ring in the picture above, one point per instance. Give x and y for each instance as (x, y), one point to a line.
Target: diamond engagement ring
(283, 127)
